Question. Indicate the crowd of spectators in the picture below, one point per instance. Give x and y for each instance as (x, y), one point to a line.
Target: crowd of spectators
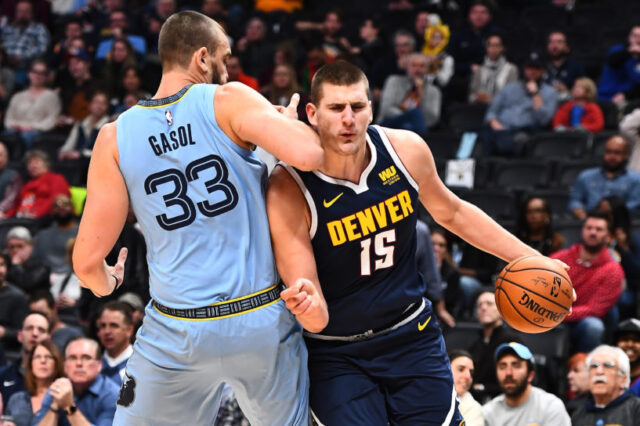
(514, 70)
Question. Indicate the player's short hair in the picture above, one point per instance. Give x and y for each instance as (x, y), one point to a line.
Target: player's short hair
(185, 32)
(339, 73)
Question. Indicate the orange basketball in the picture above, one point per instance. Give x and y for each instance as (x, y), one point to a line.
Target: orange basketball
(533, 294)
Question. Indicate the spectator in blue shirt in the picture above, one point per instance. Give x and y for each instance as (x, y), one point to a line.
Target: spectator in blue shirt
(519, 107)
(612, 178)
(119, 24)
(84, 396)
(622, 69)
(24, 40)
(561, 70)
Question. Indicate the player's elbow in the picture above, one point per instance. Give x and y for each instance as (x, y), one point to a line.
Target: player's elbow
(311, 158)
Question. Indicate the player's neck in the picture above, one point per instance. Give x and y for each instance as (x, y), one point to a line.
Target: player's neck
(173, 81)
(346, 166)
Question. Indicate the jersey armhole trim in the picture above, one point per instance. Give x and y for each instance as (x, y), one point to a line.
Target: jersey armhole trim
(307, 196)
(394, 155)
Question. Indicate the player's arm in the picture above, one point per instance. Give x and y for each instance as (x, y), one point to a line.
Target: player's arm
(104, 215)
(296, 264)
(460, 217)
(246, 116)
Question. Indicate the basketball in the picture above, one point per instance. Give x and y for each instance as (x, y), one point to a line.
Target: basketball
(533, 294)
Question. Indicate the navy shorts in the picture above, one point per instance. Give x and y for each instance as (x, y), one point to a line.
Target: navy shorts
(403, 377)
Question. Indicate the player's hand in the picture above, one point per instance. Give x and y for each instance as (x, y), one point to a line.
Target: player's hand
(116, 271)
(291, 110)
(309, 307)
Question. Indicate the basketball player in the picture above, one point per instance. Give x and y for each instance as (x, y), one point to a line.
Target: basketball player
(183, 160)
(351, 227)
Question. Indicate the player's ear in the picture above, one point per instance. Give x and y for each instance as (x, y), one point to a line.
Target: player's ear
(200, 58)
(311, 114)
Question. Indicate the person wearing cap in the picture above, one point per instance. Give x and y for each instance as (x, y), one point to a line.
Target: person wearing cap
(521, 403)
(26, 271)
(611, 402)
(521, 106)
(627, 338)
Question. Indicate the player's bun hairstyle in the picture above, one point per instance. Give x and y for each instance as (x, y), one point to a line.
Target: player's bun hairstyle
(338, 73)
(185, 32)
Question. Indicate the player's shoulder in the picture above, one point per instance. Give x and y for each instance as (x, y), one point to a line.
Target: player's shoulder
(234, 89)
(282, 178)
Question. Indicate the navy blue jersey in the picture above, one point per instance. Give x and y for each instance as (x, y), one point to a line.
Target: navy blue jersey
(364, 240)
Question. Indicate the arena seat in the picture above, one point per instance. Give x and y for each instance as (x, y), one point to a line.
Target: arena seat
(558, 145)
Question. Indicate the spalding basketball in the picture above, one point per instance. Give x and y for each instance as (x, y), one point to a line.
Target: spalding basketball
(533, 294)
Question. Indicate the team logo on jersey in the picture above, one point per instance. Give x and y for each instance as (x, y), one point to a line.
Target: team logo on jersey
(169, 117)
(389, 175)
(127, 394)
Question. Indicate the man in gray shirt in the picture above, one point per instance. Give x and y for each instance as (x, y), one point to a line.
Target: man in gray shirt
(521, 403)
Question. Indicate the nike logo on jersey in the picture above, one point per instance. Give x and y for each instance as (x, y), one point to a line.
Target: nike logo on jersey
(7, 383)
(328, 204)
(422, 326)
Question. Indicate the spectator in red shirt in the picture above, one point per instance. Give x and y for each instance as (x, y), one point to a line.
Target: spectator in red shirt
(36, 196)
(597, 280)
(581, 112)
(234, 68)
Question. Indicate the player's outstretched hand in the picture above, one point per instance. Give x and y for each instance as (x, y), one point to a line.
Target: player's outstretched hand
(309, 307)
(290, 110)
(116, 271)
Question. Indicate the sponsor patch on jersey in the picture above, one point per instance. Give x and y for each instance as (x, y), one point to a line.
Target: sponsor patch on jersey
(169, 117)
(389, 176)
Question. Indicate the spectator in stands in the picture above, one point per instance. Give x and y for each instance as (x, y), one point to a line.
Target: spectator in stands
(467, 44)
(441, 64)
(35, 329)
(33, 110)
(578, 381)
(427, 266)
(79, 143)
(421, 24)
(611, 401)
(370, 46)
(630, 129)
(493, 74)
(59, 55)
(449, 276)
(234, 69)
(37, 195)
(409, 101)
(316, 58)
(626, 249)
(154, 19)
(115, 330)
(581, 112)
(534, 226)
(522, 106)
(597, 280)
(44, 366)
(562, 71)
(13, 309)
(76, 88)
(334, 44)
(119, 25)
(24, 39)
(6, 80)
(137, 308)
(10, 182)
(622, 69)
(84, 396)
(26, 270)
(627, 338)
(65, 289)
(521, 403)
(403, 45)
(61, 332)
(50, 243)
(612, 178)
(462, 370)
(255, 52)
(120, 58)
(283, 86)
(493, 334)
(476, 269)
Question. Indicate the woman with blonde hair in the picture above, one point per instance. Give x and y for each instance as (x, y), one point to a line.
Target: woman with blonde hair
(581, 112)
(441, 64)
(44, 366)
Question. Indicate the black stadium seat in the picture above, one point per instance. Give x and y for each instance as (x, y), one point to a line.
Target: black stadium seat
(567, 171)
(558, 145)
(497, 203)
(521, 174)
(465, 118)
(462, 335)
